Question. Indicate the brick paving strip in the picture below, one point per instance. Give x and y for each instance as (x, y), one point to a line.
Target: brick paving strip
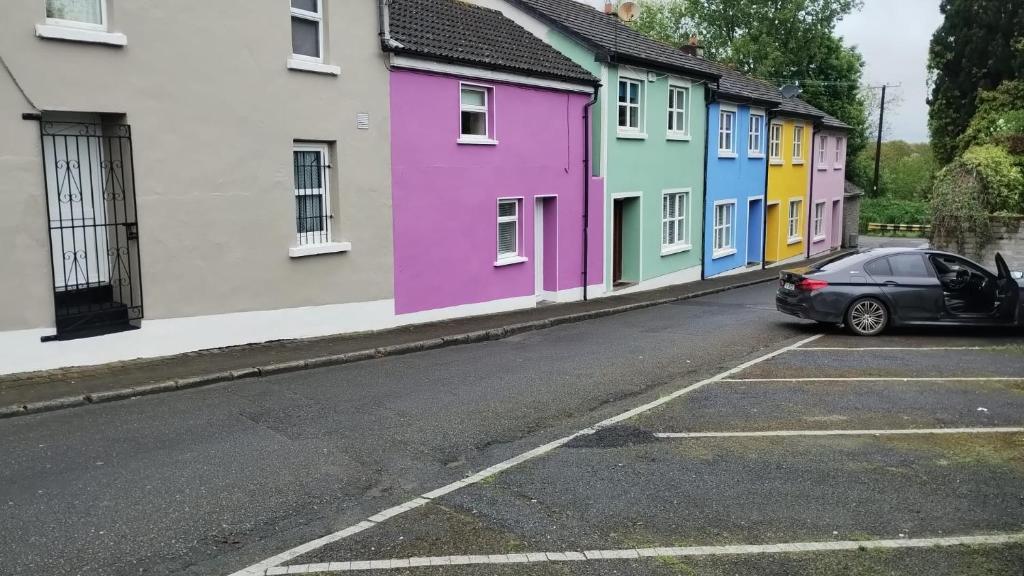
(638, 553)
(34, 392)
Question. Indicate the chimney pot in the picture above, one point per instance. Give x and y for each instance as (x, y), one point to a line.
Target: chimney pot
(609, 8)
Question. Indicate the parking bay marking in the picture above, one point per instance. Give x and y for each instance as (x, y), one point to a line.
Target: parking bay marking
(882, 379)
(768, 433)
(261, 568)
(638, 553)
(895, 348)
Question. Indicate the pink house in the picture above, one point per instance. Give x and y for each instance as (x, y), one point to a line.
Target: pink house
(825, 228)
(490, 166)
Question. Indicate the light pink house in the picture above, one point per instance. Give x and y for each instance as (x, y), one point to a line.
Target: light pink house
(489, 164)
(825, 228)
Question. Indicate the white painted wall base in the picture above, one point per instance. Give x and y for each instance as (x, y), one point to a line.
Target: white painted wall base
(790, 260)
(739, 270)
(681, 277)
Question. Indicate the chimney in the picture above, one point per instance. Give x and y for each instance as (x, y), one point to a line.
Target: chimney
(693, 48)
(609, 8)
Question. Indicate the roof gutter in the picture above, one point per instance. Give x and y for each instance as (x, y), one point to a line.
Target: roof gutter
(384, 27)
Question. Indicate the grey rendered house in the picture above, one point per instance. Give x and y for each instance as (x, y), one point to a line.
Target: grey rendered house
(175, 176)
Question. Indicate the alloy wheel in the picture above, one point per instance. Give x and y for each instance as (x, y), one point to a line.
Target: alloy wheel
(868, 317)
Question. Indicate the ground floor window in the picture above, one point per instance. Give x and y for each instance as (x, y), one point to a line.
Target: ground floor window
(312, 194)
(675, 207)
(819, 221)
(508, 229)
(724, 227)
(794, 220)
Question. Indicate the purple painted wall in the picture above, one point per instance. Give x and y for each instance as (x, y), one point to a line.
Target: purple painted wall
(828, 178)
(445, 194)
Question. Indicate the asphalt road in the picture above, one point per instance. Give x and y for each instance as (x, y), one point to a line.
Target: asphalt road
(209, 481)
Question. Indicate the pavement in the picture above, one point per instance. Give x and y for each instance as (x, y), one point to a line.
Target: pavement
(585, 448)
(865, 241)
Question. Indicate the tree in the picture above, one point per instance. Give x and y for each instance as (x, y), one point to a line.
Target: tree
(979, 45)
(777, 40)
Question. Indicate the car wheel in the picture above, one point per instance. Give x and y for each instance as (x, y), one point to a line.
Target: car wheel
(867, 317)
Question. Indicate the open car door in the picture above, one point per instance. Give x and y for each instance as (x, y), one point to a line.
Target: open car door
(1007, 291)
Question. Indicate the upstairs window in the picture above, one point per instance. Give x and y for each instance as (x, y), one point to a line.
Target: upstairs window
(775, 145)
(678, 111)
(839, 153)
(727, 133)
(475, 119)
(508, 229)
(755, 139)
(88, 14)
(630, 98)
(798, 144)
(822, 152)
(307, 30)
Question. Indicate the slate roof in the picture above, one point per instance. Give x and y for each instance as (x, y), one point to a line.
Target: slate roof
(736, 85)
(797, 107)
(609, 36)
(833, 122)
(456, 31)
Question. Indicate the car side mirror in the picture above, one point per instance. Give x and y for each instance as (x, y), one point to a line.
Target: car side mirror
(1017, 274)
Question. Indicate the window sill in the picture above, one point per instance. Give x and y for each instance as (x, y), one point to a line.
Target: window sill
(632, 135)
(818, 239)
(678, 136)
(722, 253)
(314, 249)
(510, 261)
(477, 141)
(80, 35)
(317, 67)
(793, 240)
(675, 249)
(840, 167)
(755, 156)
(727, 154)
(777, 162)
(797, 162)
(822, 168)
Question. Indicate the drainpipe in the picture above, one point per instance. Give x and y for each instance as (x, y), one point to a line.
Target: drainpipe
(384, 27)
(769, 115)
(586, 189)
(709, 97)
(810, 191)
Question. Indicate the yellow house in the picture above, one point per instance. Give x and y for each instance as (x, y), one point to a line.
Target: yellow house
(789, 180)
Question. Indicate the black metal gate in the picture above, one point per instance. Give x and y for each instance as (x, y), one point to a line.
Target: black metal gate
(90, 200)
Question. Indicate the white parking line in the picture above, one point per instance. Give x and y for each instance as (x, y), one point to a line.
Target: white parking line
(768, 433)
(882, 379)
(896, 348)
(637, 553)
(262, 567)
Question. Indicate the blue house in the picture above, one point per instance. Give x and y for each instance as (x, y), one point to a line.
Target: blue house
(737, 140)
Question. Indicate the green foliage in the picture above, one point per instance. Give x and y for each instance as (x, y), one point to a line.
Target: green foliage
(892, 211)
(957, 206)
(906, 172)
(779, 40)
(999, 120)
(979, 45)
(1000, 178)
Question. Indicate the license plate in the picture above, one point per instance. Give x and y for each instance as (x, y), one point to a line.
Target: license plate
(788, 285)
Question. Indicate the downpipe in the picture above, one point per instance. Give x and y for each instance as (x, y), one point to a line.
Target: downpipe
(586, 189)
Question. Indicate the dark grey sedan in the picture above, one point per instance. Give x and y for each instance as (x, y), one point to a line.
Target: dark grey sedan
(871, 290)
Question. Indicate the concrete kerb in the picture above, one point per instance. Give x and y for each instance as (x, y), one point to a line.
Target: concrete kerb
(348, 358)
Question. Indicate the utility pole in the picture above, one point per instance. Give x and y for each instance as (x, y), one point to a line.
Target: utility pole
(878, 143)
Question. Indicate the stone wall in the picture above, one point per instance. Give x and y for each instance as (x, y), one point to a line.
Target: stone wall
(851, 220)
(1007, 238)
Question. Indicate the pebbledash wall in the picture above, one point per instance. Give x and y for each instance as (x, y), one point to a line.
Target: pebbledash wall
(446, 195)
(827, 188)
(214, 179)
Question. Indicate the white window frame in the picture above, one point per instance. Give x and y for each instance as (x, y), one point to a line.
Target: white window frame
(775, 144)
(504, 259)
(101, 27)
(822, 152)
(819, 221)
(798, 144)
(684, 88)
(840, 159)
(317, 17)
(488, 110)
(727, 227)
(640, 131)
(755, 140)
(329, 245)
(681, 222)
(793, 222)
(727, 111)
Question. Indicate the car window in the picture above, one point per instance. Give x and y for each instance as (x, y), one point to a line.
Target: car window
(834, 263)
(878, 267)
(949, 264)
(909, 265)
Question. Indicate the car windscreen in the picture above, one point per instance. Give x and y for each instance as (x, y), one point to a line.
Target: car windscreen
(834, 263)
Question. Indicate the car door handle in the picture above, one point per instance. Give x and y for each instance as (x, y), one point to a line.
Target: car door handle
(891, 283)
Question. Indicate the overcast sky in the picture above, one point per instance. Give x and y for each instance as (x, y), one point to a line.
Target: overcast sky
(893, 37)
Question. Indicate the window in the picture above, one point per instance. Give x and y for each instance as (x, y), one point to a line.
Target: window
(508, 229)
(794, 220)
(756, 136)
(675, 207)
(775, 145)
(475, 108)
(312, 198)
(839, 153)
(819, 221)
(798, 144)
(726, 133)
(629, 105)
(307, 30)
(724, 225)
(909, 266)
(90, 14)
(678, 111)
(822, 143)
(878, 267)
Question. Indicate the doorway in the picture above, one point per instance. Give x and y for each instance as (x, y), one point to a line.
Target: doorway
(625, 241)
(755, 227)
(772, 223)
(545, 248)
(837, 223)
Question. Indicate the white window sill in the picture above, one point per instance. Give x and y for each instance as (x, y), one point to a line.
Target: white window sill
(755, 155)
(477, 141)
(81, 35)
(727, 154)
(675, 249)
(317, 67)
(632, 135)
(797, 162)
(818, 239)
(510, 261)
(314, 249)
(793, 240)
(822, 168)
(722, 253)
(678, 136)
(840, 167)
(776, 162)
